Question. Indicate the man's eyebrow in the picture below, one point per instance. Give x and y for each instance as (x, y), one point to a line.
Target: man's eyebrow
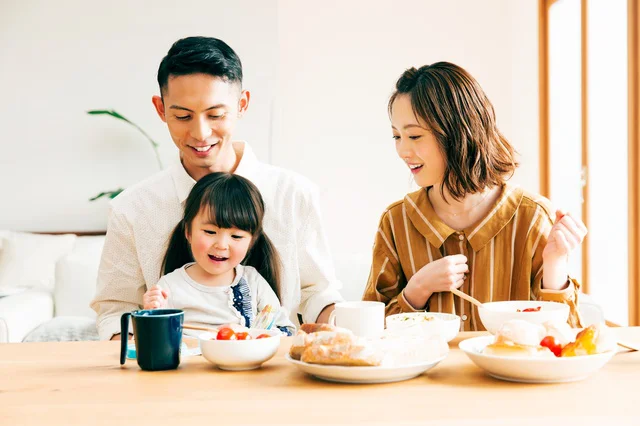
(187, 109)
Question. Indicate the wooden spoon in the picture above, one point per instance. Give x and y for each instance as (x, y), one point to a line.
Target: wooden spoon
(466, 297)
(199, 327)
(629, 346)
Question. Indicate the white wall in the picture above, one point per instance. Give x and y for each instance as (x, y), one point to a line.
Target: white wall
(336, 63)
(60, 59)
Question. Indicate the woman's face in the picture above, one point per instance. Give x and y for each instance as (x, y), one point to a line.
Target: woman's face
(415, 144)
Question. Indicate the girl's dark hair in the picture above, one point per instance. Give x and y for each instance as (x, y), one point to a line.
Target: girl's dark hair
(230, 201)
(461, 117)
(200, 55)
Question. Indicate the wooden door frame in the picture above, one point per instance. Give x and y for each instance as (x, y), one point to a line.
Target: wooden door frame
(633, 16)
(544, 147)
(633, 146)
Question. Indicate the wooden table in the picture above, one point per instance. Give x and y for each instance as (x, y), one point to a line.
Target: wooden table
(82, 383)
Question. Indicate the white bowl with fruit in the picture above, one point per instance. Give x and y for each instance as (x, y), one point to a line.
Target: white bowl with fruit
(494, 314)
(550, 353)
(236, 348)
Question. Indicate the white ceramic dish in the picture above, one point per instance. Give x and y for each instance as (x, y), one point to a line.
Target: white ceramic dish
(494, 314)
(445, 325)
(365, 375)
(239, 355)
(533, 370)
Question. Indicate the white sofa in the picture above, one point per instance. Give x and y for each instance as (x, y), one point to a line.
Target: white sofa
(59, 311)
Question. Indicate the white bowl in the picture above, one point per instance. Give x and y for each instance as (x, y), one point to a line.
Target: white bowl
(494, 314)
(533, 370)
(239, 355)
(413, 323)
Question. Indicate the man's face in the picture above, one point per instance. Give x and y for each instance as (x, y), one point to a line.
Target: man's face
(201, 112)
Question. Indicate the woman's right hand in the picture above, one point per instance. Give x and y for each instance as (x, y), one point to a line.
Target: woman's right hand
(437, 276)
(156, 298)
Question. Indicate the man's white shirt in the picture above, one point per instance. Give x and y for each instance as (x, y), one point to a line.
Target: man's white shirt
(143, 217)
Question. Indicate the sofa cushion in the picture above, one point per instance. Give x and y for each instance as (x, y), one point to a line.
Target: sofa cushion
(22, 312)
(76, 275)
(27, 261)
(64, 329)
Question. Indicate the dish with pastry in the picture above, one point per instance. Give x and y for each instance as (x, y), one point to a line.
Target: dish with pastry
(335, 354)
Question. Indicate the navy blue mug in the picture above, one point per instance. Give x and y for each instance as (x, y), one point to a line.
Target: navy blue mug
(158, 336)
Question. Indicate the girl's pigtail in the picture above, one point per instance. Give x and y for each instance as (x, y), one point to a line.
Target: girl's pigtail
(264, 257)
(179, 251)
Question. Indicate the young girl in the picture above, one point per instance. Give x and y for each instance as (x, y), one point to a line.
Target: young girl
(220, 267)
(466, 228)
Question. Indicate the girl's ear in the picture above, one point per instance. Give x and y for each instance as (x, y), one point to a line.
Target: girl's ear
(187, 233)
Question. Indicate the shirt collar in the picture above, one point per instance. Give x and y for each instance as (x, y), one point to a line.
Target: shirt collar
(184, 182)
(247, 162)
(426, 221)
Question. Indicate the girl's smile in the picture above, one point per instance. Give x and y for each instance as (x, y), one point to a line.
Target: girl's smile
(218, 258)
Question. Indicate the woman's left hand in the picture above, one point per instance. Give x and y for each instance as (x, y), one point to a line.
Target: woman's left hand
(567, 233)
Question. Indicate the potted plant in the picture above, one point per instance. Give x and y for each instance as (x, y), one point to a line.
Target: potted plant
(154, 145)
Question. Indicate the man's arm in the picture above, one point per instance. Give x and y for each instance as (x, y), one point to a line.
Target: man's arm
(319, 284)
(120, 285)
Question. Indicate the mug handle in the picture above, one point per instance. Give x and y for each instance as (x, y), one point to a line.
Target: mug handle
(332, 318)
(124, 336)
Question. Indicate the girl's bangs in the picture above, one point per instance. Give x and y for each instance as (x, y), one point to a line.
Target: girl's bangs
(229, 209)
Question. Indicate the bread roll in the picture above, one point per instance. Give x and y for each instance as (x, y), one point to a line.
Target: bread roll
(342, 354)
(313, 328)
(325, 334)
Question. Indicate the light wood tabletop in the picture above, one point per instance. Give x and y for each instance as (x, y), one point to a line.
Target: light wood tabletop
(82, 383)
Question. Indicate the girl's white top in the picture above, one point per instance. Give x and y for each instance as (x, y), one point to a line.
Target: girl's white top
(238, 303)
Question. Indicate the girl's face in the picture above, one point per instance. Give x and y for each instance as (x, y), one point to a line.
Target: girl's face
(415, 144)
(217, 250)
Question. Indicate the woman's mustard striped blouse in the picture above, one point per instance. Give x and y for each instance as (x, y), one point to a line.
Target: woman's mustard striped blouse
(504, 252)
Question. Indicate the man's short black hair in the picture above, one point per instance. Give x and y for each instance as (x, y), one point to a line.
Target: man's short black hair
(200, 55)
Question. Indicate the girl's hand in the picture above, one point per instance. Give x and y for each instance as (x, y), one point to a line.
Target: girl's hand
(442, 274)
(156, 298)
(567, 233)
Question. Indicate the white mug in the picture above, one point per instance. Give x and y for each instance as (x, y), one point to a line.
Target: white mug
(365, 319)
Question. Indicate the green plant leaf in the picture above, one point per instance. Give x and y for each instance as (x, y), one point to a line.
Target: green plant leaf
(115, 114)
(112, 113)
(110, 194)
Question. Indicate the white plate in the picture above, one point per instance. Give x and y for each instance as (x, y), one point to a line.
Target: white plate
(533, 370)
(342, 374)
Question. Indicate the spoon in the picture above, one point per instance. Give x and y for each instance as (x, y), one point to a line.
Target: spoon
(466, 297)
(199, 327)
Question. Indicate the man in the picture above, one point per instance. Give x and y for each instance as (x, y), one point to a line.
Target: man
(201, 100)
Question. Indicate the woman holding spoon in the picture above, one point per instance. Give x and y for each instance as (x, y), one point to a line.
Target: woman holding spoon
(466, 228)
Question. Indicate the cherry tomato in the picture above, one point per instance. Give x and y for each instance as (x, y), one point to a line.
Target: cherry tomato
(530, 309)
(226, 334)
(263, 336)
(550, 343)
(243, 336)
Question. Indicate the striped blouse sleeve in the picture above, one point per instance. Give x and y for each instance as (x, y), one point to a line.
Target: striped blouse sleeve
(538, 240)
(386, 278)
